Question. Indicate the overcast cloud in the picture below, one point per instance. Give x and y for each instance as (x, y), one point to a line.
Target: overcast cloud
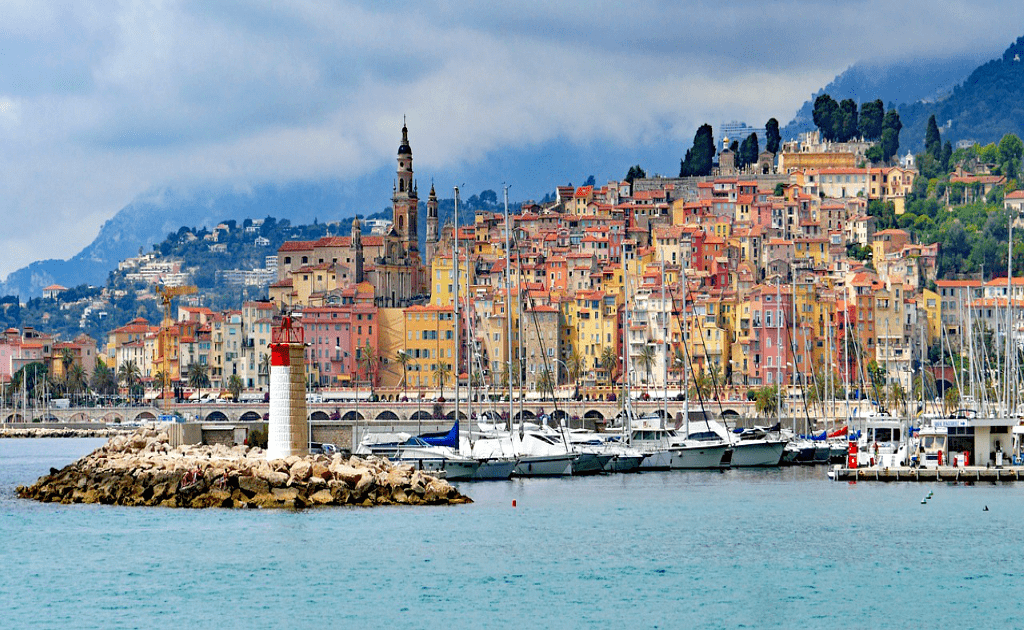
(99, 104)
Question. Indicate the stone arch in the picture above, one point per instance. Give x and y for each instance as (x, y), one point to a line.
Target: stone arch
(352, 416)
(491, 416)
(145, 416)
(216, 416)
(558, 416)
(525, 414)
(387, 416)
(79, 416)
(451, 415)
(942, 385)
(422, 415)
(732, 413)
(48, 417)
(113, 417)
(251, 416)
(319, 416)
(593, 414)
(15, 417)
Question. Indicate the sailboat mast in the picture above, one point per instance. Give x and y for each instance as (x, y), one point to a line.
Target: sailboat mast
(664, 347)
(508, 307)
(627, 404)
(458, 338)
(686, 353)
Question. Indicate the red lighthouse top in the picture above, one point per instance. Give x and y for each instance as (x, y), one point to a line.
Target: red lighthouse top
(286, 333)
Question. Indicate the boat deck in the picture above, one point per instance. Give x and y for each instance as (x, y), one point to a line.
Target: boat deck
(943, 473)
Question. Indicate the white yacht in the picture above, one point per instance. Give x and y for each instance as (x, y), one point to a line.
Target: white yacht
(405, 449)
(666, 450)
(751, 448)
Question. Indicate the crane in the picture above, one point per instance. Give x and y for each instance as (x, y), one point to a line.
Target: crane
(166, 295)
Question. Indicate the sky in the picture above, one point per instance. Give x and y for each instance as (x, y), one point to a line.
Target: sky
(103, 102)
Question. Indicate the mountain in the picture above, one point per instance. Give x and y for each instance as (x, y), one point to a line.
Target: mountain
(895, 83)
(147, 221)
(984, 107)
(531, 171)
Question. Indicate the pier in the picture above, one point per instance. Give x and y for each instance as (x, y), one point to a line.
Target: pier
(942, 473)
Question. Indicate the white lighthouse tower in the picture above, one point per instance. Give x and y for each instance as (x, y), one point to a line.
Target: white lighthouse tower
(288, 433)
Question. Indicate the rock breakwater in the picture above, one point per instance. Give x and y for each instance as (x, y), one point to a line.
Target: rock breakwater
(143, 469)
(42, 432)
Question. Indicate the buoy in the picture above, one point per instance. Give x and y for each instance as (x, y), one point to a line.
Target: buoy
(513, 502)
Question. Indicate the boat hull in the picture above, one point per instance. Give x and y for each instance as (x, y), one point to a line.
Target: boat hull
(657, 460)
(701, 457)
(590, 463)
(757, 453)
(545, 466)
(625, 464)
(495, 469)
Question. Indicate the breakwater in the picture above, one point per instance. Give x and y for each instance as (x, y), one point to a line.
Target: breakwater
(143, 469)
(62, 432)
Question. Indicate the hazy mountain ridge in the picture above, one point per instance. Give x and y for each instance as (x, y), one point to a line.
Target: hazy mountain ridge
(896, 83)
(988, 104)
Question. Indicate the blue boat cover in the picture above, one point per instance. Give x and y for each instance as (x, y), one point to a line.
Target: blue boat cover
(446, 439)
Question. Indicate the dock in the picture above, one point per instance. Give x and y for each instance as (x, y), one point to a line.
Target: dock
(942, 473)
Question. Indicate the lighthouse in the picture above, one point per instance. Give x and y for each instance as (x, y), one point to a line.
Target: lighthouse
(288, 433)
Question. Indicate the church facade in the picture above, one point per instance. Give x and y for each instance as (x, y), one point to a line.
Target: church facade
(314, 273)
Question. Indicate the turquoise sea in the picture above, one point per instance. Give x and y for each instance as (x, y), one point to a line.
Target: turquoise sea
(744, 548)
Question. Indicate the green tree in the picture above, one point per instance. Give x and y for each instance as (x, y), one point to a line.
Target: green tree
(609, 362)
(645, 359)
(772, 136)
(404, 359)
(932, 139)
(635, 172)
(891, 127)
(700, 157)
(748, 151)
(129, 376)
(198, 377)
(846, 124)
(235, 386)
(1010, 150)
(826, 116)
(103, 380)
(870, 122)
(441, 374)
(546, 383)
(368, 361)
(577, 367)
(767, 401)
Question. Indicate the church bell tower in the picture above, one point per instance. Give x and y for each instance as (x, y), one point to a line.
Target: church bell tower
(405, 201)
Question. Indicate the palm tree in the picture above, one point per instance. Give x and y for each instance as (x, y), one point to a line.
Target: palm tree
(951, 400)
(577, 366)
(403, 359)
(767, 401)
(67, 358)
(198, 377)
(441, 374)
(75, 379)
(103, 381)
(368, 361)
(702, 385)
(129, 375)
(646, 360)
(609, 361)
(235, 386)
(546, 383)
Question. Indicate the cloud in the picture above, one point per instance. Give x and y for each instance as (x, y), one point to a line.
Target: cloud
(100, 102)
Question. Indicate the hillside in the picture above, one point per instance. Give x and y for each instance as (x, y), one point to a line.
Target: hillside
(984, 107)
(901, 82)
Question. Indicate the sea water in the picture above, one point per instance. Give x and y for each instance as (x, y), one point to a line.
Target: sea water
(744, 548)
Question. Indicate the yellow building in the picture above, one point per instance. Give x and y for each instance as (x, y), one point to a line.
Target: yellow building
(391, 339)
(930, 304)
(430, 343)
(442, 280)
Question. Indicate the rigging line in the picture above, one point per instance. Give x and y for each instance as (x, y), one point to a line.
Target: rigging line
(711, 373)
(540, 341)
(687, 358)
